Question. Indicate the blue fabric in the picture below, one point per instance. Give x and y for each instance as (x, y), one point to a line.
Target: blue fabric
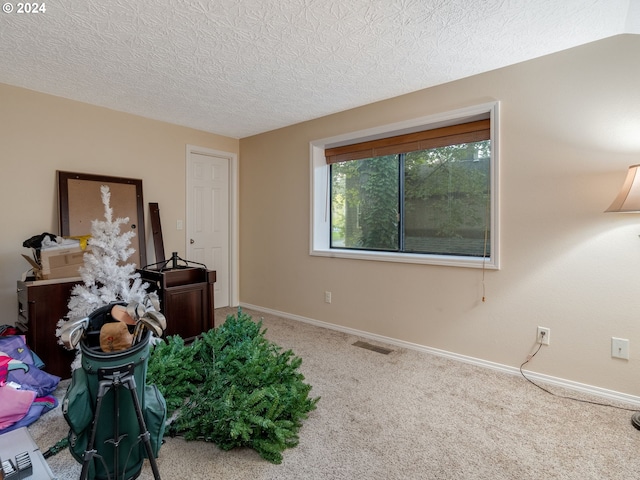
(37, 361)
(23, 370)
(31, 378)
(15, 347)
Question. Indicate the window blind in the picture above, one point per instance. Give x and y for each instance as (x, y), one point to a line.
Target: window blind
(438, 137)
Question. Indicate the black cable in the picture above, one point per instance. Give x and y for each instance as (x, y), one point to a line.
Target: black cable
(564, 396)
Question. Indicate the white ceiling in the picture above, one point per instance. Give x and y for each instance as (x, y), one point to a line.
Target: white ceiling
(242, 67)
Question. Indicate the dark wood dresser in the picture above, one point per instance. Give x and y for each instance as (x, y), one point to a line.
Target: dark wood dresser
(41, 304)
(186, 298)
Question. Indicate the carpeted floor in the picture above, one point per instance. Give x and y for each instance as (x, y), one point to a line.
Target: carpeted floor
(401, 416)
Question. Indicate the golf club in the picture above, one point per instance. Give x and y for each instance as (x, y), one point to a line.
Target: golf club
(72, 332)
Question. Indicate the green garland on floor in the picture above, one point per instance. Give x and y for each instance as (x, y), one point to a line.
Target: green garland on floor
(233, 387)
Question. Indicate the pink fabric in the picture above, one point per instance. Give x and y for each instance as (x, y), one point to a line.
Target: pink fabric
(15, 404)
(4, 368)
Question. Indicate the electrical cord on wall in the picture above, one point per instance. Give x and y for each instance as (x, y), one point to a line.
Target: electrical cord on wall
(530, 357)
(487, 211)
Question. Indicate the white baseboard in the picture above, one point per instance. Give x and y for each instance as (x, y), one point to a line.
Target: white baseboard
(603, 393)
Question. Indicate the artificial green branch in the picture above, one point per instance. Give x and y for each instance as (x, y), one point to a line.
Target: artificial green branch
(233, 387)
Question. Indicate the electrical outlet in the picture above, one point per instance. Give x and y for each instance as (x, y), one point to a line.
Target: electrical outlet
(620, 348)
(543, 336)
(327, 297)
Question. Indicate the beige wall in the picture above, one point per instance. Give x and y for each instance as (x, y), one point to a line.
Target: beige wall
(40, 134)
(570, 127)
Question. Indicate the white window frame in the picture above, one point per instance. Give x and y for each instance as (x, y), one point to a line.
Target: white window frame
(320, 181)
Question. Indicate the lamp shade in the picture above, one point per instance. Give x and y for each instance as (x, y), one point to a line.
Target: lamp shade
(628, 200)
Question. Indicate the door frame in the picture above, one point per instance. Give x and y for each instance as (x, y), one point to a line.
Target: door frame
(234, 237)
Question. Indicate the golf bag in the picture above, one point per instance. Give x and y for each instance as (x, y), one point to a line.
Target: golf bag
(115, 419)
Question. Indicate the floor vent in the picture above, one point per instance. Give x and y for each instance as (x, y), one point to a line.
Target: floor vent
(373, 348)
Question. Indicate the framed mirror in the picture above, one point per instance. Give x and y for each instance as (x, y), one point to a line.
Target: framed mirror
(80, 202)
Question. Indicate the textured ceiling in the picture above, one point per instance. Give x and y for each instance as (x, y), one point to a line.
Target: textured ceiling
(242, 67)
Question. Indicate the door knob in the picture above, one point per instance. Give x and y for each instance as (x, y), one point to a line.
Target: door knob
(192, 241)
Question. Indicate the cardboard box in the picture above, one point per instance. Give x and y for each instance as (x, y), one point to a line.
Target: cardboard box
(63, 263)
(58, 263)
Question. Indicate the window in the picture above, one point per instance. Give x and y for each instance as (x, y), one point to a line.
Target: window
(422, 192)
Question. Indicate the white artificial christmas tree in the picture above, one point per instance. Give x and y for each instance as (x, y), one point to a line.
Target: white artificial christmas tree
(106, 278)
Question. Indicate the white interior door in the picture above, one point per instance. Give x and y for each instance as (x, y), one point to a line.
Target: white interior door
(208, 225)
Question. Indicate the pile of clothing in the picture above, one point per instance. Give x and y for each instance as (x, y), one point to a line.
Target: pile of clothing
(48, 241)
(25, 389)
